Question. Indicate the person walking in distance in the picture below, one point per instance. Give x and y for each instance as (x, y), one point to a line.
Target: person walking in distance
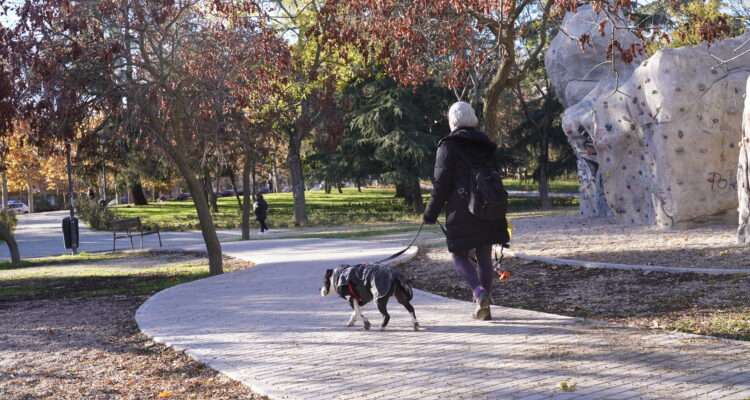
(460, 155)
(260, 208)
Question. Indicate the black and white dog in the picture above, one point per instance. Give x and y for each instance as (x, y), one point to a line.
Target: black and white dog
(361, 283)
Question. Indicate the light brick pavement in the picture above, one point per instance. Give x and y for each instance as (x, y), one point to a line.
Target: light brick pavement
(269, 328)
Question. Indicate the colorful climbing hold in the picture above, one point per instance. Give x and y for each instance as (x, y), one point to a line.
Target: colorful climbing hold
(682, 109)
(680, 134)
(679, 149)
(608, 126)
(701, 87)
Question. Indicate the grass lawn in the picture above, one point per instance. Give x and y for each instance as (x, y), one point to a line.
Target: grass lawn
(348, 208)
(555, 186)
(86, 275)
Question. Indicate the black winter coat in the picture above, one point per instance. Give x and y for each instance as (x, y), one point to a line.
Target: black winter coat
(260, 209)
(367, 280)
(465, 230)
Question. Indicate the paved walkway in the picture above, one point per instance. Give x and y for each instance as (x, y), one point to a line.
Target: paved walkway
(268, 327)
(40, 235)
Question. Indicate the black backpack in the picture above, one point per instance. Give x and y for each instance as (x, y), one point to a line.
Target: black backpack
(486, 197)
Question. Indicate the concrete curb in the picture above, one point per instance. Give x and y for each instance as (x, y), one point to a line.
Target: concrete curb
(594, 264)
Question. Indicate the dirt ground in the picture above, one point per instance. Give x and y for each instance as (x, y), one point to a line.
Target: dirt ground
(603, 240)
(91, 348)
(716, 305)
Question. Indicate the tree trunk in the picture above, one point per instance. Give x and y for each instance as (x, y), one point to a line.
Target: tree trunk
(359, 186)
(213, 247)
(246, 199)
(15, 256)
(255, 178)
(30, 197)
(543, 164)
(274, 177)
(210, 194)
(233, 181)
(4, 189)
(338, 187)
(552, 108)
(136, 195)
(415, 195)
(298, 183)
(327, 187)
(400, 191)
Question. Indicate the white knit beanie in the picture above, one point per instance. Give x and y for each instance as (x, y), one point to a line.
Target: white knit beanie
(461, 115)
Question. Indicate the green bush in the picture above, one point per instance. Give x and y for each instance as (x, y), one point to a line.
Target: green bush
(9, 219)
(97, 217)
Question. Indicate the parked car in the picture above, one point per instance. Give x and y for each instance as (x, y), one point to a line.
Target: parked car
(226, 193)
(183, 196)
(18, 208)
(123, 200)
(263, 190)
(286, 189)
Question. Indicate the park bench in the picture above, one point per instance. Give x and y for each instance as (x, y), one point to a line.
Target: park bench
(131, 227)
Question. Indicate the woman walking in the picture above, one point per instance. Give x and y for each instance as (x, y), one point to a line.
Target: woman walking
(260, 208)
(466, 231)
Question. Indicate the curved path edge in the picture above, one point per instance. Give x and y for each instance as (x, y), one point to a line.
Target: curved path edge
(597, 264)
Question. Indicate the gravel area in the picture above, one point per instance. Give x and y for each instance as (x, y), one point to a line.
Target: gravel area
(715, 305)
(91, 348)
(600, 239)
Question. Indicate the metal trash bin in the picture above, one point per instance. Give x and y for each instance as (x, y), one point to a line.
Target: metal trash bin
(70, 232)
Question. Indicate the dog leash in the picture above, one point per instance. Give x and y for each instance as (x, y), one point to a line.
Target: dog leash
(404, 250)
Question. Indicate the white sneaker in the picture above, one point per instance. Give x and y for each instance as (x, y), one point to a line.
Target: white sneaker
(261, 233)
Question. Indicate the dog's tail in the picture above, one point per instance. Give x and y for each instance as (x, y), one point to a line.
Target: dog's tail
(406, 286)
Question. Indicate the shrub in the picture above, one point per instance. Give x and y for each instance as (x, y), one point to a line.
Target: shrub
(9, 219)
(96, 216)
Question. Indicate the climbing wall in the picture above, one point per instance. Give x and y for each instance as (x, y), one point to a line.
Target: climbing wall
(580, 75)
(743, 174)
(667, 139)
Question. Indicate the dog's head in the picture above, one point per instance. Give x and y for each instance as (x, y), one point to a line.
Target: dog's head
(327, 287)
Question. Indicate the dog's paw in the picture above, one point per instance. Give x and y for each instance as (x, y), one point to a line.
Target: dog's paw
(350, 323)
(382, 327)
(416, 326)
(367, 325)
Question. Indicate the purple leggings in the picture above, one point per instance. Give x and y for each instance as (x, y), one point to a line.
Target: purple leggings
(465, 267)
